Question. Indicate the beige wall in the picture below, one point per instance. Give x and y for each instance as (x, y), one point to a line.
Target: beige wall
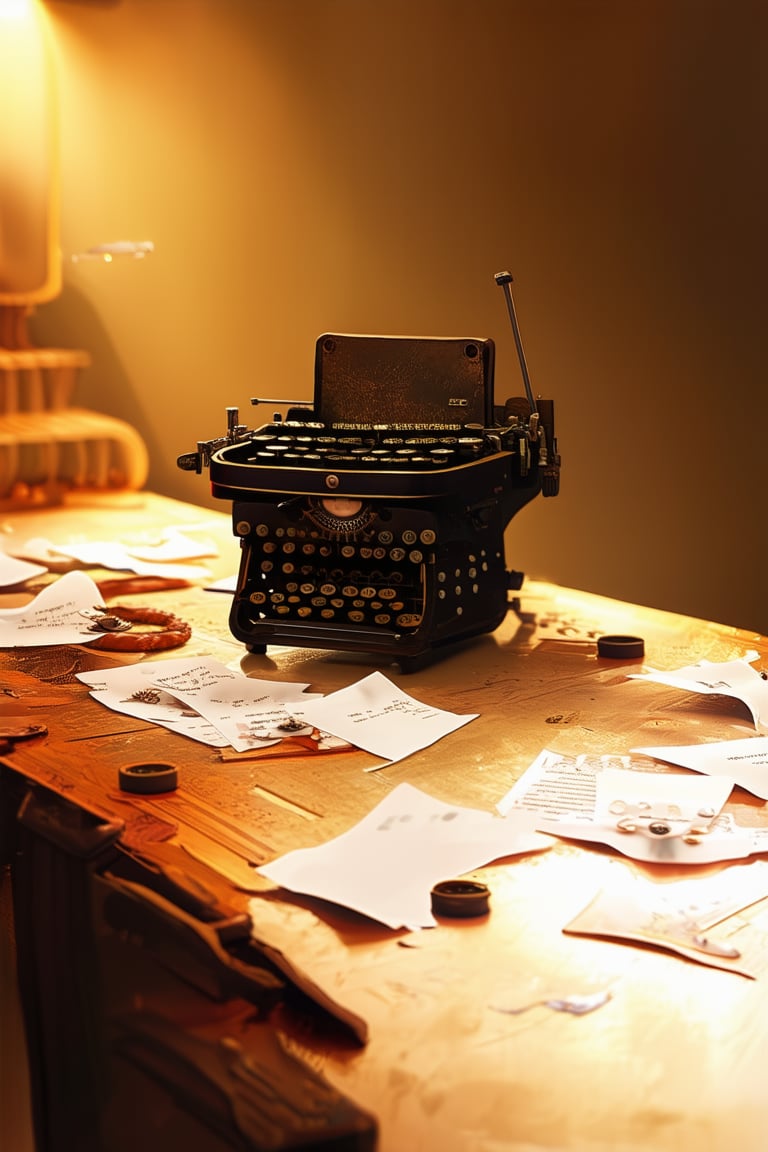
(368, 165)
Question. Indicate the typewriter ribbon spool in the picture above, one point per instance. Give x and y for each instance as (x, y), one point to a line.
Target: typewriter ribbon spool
(373, 519)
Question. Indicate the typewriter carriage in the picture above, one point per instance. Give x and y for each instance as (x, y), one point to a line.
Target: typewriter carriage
(372, 520)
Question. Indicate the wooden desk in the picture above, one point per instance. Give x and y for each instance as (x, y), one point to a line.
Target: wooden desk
(674, 1061)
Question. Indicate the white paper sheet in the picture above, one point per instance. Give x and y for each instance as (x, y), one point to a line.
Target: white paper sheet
(247, 711)
(377, 716)
(15, 571)
(571, 797)
(386, 865)
(168, 558)
(730, 678)
(131, 691)
(55, 616)
(679, 916)
(745, 761)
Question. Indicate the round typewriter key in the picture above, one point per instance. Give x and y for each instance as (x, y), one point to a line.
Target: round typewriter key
(355, 616)
(409, 536)
(148, 779)
(382, 618)
(257, 597)
(460, 898)
(427, 536)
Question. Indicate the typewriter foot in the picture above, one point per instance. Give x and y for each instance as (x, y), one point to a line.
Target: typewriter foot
(409, 664)
(258, 649)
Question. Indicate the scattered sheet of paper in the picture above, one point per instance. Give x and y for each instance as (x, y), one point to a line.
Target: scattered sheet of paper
(131, 691)
(745, 761)
(554, 785)
(15, 571)
(377, 716)
(169, 558)
(225, 584)
(386, 865)
(679, 916)
(250, 713)
(730, 678)
(55, 616)
(571, 797)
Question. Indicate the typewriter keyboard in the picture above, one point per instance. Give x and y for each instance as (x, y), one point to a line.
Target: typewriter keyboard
(376, 577)
(311, 445)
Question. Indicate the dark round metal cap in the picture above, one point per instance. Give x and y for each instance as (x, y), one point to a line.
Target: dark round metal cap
(460, 898)
(621, 647)
(148, 779)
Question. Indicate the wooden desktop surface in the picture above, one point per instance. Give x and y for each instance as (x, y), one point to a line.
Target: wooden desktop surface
(675, 1059)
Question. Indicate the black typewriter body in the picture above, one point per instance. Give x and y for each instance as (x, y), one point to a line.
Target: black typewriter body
(373, 519)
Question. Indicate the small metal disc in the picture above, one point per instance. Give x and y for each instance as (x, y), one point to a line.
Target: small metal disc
(148, 779)
(460, 898)
(14, 732)
(621, 647)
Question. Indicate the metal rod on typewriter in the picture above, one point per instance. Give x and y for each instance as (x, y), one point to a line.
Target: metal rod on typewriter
(292, 403)
(504, 279)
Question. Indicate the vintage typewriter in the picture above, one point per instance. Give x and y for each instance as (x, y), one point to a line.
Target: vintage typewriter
(372, 520)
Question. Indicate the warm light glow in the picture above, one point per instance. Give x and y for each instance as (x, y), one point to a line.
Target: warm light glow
(16, 9)
(29, 263)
